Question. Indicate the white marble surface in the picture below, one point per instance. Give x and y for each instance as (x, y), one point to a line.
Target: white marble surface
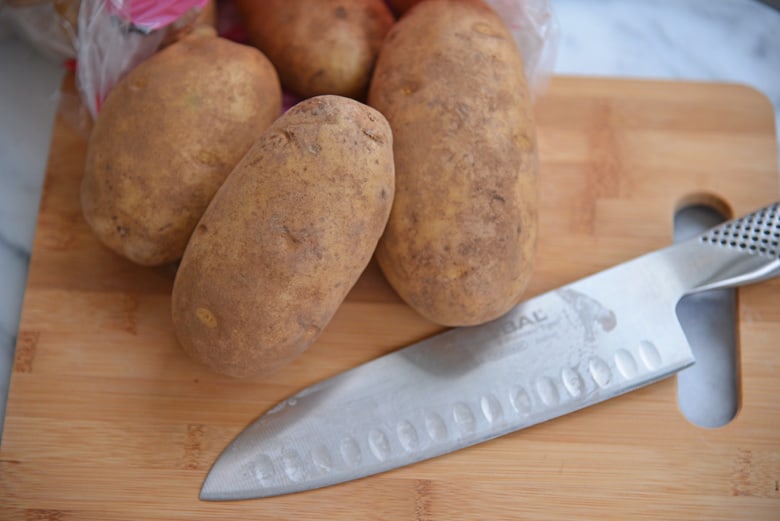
(711, 40)
(28, 100)
(706, 40)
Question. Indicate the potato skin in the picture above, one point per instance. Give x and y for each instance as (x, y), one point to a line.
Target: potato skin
(319, 46)
(167, 136)
(285, 238)
(460, 241)
(401, 6)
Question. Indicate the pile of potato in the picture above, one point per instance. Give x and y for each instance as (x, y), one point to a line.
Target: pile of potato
(414, 142)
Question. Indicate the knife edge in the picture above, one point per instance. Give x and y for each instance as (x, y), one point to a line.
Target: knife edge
(597, 338)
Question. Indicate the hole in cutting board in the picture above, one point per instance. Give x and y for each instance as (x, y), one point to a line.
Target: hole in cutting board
(708, 391)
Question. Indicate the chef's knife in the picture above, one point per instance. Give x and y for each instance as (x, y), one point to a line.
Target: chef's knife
(572, 347)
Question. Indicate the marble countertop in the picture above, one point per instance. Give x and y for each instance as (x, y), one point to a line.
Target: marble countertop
(705, 40)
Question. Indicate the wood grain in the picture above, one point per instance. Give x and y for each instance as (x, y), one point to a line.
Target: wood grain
(108, 419)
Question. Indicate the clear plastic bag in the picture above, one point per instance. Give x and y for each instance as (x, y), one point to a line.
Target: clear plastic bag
(107, 38)
(116, 35)
(102, 39)
(535, 29)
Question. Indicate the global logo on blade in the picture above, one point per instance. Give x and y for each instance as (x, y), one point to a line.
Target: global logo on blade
(523, 322)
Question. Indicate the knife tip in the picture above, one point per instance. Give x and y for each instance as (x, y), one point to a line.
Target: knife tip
(207, 492)
(219, 487)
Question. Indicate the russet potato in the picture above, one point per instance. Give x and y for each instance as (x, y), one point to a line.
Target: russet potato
(167, 136)
(285, 238)
(459, 245)
(319, 46)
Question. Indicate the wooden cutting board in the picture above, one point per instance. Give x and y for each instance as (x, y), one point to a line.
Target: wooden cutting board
(108, 419)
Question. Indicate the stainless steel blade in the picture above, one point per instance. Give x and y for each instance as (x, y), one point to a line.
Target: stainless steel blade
(576, 346)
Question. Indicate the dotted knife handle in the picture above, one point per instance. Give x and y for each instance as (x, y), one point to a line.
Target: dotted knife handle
(756, 234)
(739, 252)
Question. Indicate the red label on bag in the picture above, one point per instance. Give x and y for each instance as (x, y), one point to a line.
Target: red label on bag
(151, 15)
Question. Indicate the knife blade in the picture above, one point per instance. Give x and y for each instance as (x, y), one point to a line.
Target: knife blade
(575, 346)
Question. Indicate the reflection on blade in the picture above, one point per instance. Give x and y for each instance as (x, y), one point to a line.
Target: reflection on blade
(567, 349)
(561, 351)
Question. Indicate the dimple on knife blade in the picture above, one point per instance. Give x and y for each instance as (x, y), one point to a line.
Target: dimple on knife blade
(573, 347)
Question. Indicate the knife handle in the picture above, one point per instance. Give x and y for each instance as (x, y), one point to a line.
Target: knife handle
(741, 251)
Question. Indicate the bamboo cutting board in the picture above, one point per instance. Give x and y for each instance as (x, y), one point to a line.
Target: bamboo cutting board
(108, 419)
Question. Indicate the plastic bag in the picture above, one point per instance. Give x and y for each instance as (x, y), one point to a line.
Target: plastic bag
(107, 38)
(116, 35)
(534, 27)
(152, 15)
(102, 39)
